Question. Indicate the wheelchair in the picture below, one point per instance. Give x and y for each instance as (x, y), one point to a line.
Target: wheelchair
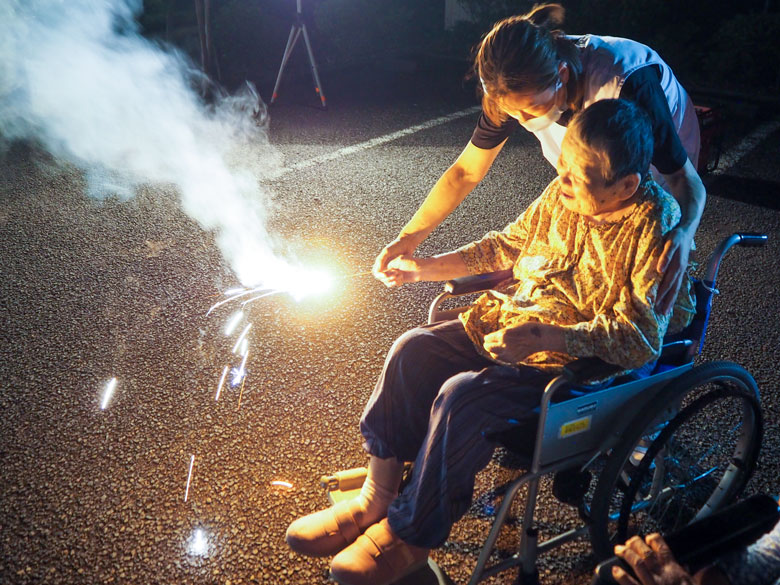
(638, 456)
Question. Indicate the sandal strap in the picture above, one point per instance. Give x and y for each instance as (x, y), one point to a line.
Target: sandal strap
(345, 521)
(396, 554)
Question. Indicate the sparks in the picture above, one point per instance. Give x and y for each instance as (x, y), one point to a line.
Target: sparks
(221, 382)
(232, 297)
(241, 338)
(240, 372)
(297, 282)
(108, 393)
(233, 323)
(241, 394)
(265, 294)
(189, 478)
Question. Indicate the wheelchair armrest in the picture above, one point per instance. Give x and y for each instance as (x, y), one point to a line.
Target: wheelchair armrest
(476, 282)
(581, 370)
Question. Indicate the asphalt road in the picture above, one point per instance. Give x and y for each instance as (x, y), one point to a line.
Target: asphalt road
(92, 290)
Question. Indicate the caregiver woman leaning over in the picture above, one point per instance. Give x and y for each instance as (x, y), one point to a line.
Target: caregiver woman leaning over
(537, 77)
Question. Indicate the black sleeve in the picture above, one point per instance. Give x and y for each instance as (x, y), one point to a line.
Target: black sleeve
(487, 135)
(643, 87)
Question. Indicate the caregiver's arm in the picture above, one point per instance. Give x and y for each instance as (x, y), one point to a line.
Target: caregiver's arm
(449, 191)
(671, 160)
(687, 188)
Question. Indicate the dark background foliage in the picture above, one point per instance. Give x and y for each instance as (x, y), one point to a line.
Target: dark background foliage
(720, 44)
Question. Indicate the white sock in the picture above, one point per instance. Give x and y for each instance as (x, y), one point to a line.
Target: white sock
(374, 499)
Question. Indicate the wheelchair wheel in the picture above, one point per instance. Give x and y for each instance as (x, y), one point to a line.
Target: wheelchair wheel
(680, 462)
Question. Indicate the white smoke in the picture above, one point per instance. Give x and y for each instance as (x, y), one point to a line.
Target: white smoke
(77, 76)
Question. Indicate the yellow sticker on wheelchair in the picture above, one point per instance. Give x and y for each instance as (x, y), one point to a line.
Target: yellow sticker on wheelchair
(574, 427)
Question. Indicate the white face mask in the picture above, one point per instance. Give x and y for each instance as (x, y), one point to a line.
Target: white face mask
(551, 117)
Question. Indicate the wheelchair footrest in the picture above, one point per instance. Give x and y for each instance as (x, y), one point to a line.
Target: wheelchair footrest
(344, 485)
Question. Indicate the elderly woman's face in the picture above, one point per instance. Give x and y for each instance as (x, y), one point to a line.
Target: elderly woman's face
(583, 187)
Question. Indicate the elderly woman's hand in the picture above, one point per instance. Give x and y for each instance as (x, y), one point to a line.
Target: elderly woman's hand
(402, 270)
(512, 344)
(405, 269)
(397, 248)
(652, 562)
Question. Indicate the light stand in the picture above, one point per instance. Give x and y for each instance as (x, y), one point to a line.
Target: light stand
(298, 27)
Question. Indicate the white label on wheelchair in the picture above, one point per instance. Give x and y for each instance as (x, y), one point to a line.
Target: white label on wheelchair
(574, 427)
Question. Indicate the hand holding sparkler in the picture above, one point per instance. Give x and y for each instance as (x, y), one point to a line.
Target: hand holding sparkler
(401, 247)
(405, 269)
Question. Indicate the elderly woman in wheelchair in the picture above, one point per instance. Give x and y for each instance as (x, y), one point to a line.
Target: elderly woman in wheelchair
(583, 260)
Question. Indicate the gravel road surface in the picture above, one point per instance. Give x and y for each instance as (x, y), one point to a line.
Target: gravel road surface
(97, 289)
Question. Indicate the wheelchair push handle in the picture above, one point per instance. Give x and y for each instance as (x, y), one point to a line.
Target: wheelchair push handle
(748, 239)
(751, 239)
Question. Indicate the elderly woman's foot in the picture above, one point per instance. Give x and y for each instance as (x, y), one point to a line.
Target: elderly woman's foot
(377, 557)
(328, 531)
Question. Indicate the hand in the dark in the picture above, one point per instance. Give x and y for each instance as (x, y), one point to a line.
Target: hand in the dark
(672, 264)
(652, 562)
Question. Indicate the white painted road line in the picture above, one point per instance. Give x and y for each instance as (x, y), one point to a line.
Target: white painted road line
(378, 141)
(727, 159)
(748, 143)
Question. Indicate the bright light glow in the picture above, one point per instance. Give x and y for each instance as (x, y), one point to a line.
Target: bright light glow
(309, 283)
(280, 483)
(108, 393)
(199, 543)
(233, 323)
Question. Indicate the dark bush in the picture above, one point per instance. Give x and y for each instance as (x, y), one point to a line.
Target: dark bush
(746, 52)
(361, 31)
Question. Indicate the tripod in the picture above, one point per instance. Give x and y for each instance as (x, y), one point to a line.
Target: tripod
(298, 27)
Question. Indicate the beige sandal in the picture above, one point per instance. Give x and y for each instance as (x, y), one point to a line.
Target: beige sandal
(377, 557)
(326, 532)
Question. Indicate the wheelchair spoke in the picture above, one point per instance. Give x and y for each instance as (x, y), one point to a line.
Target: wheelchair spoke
(709, 452)
(702, 456)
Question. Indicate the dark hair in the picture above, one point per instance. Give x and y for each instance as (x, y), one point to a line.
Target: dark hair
(521, 54)
(619, 133)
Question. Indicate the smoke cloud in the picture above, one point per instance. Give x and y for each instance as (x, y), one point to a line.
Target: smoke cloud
(77, 76)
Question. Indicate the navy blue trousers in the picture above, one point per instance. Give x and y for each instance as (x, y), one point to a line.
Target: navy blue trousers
(433, 404)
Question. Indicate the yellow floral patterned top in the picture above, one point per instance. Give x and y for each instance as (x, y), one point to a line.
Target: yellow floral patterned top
(598, 281)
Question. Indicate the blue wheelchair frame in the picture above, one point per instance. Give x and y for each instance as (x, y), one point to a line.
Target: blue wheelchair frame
(577, 427)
